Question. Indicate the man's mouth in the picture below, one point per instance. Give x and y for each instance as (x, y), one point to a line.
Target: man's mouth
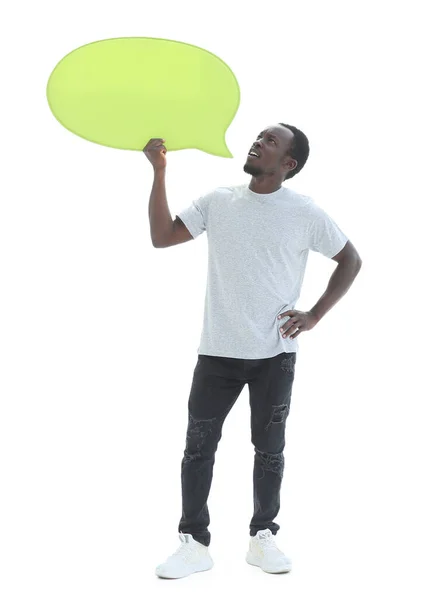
(254, 154)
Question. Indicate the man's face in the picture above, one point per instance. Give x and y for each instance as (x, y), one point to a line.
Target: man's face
(269, 153)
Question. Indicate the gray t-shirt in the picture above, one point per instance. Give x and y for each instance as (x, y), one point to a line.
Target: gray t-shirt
(258, 246)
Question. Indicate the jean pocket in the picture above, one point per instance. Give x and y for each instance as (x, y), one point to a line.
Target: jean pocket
(288, 360)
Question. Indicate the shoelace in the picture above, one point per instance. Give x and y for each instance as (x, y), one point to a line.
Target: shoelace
(268, 543)
(186, 550)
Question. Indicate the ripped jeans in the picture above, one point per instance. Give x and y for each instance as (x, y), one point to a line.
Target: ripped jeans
(217, 383)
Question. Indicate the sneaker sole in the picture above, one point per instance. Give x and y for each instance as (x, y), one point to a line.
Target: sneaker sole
(256, 563)
(204, 565)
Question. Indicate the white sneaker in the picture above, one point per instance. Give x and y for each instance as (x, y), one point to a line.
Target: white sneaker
(264, 553)
(191, 557)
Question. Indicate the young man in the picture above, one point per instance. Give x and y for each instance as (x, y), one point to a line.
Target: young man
(259, 237)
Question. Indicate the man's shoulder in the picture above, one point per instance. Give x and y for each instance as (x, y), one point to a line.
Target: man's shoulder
(298, 197)
(300, 203)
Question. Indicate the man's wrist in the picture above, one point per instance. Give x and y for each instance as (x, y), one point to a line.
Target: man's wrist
(314, 314)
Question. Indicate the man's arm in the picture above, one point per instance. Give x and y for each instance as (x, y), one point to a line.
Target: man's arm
(164, 231)
(349, 265)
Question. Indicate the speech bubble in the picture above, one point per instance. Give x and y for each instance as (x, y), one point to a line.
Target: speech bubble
(122, 92)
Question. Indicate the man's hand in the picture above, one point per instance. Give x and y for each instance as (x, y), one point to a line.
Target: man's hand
(155, 152)
(303, 321)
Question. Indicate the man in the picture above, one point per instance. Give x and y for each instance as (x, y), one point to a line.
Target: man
(259, 237)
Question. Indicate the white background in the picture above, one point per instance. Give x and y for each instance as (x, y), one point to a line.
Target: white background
(99, 330)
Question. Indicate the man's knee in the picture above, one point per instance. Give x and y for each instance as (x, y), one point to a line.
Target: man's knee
(270, 461)
(202, 437)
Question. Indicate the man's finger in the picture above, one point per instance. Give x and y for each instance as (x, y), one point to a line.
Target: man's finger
(293, 332)
(288, 313)
(154, 142)
(154, 149)
(289, 326)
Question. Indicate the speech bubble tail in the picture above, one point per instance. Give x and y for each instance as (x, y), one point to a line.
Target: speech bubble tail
(228, 154)
(224, 150)
(217, 148)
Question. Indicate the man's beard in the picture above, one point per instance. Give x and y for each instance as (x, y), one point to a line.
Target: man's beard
(253, 170)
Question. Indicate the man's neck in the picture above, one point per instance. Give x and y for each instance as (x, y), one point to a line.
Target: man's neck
(265, 185)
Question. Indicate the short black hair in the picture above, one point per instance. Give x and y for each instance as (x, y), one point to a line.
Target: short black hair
(299, 149)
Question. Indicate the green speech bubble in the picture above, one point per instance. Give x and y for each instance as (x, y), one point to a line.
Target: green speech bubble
(122, 92)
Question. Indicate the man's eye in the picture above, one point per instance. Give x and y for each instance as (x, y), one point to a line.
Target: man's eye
(272, 140)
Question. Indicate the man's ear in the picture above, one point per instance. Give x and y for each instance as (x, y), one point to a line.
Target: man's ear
(291, 164)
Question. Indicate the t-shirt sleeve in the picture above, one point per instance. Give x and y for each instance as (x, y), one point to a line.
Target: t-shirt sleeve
(324, 234)
(195, 216)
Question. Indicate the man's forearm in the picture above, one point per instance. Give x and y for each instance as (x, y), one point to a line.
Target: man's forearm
(339, 283)
(159, 214)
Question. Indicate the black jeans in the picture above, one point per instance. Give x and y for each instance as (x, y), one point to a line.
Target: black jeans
(217, 383)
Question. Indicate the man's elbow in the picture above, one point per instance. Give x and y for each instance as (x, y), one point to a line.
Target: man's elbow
(353, 261)
(358, 261)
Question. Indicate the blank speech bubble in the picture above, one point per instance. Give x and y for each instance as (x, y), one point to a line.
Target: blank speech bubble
(122, 92)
